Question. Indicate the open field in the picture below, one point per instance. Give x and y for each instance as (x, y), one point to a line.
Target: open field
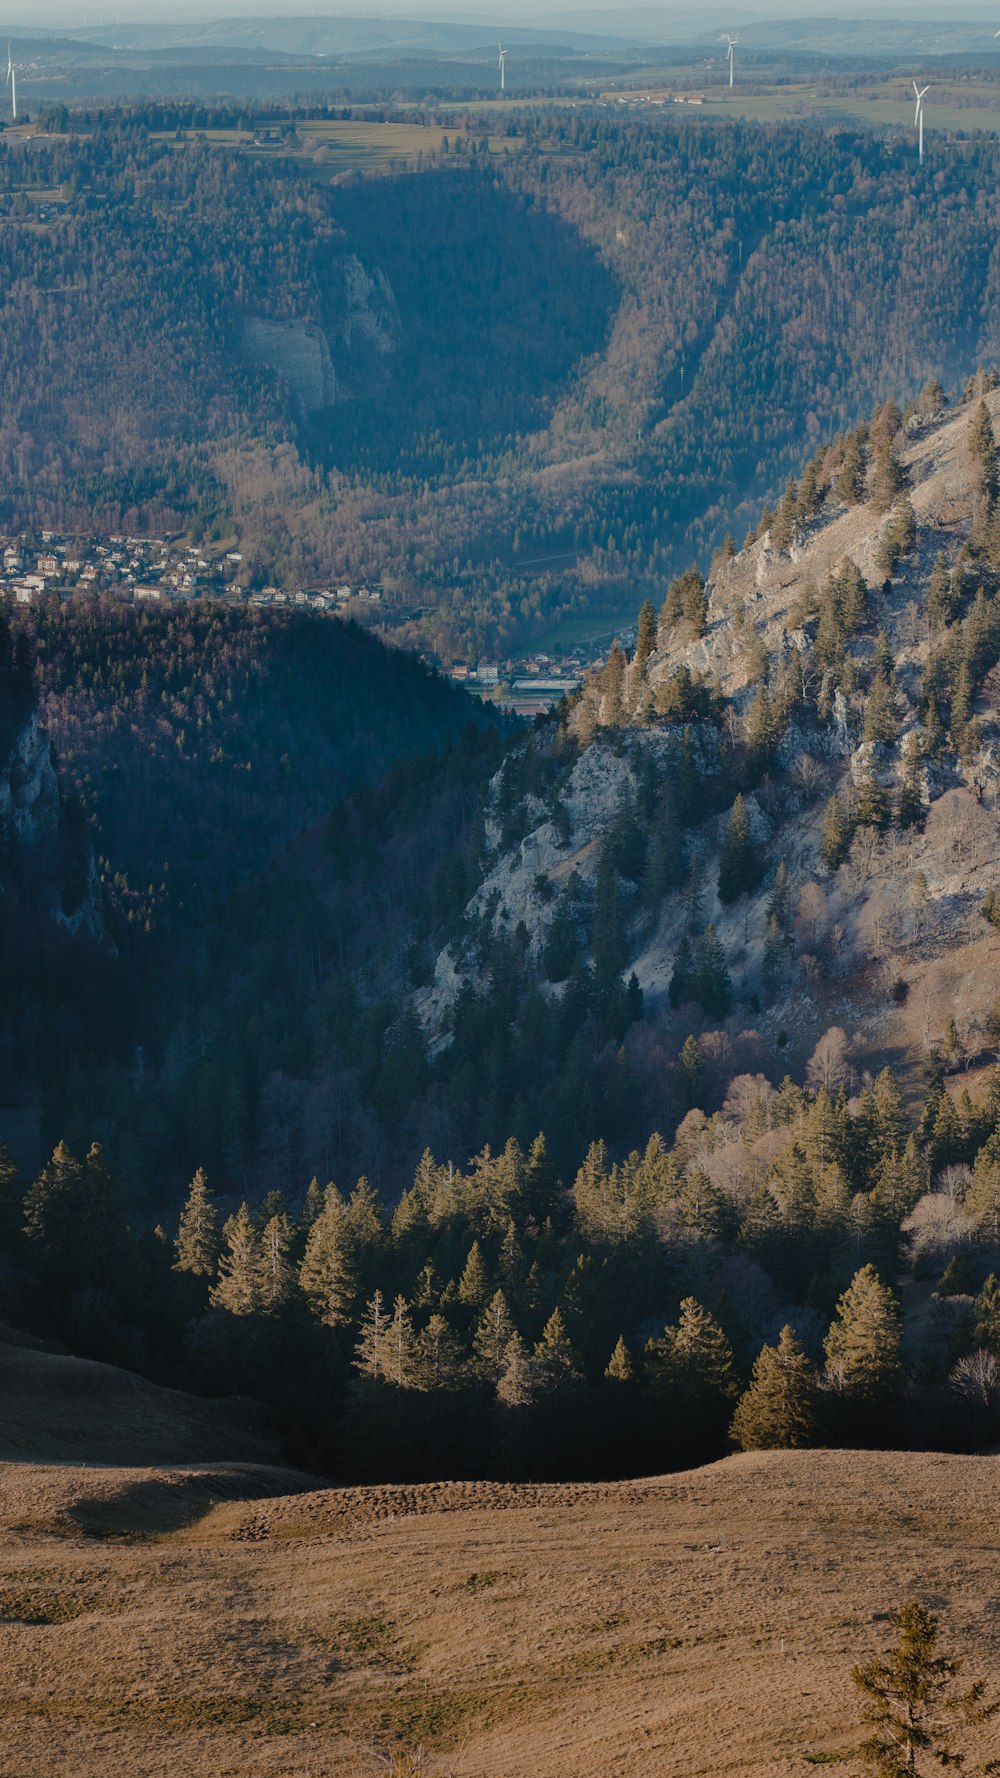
(696, 1624)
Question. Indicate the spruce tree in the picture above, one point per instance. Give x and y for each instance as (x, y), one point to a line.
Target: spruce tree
(474, 1284)
(371, 1353)
(692, 1070)
(492, 1338)
(712, 984)
(682, 981)
(779, 1410)
(887, 478)
(554, 1363)
(619, 1368)
(986, 1325)
(198, 1234)
(738, 869)
(438, 1362)
(835, 834)
(238, 1287)
(864, 1349)
(911, 1707)
(694, 1375)
(516, 1382)
(646, 637)
(328, 1273)
(850, 482)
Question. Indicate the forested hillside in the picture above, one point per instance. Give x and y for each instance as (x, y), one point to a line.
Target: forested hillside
(511, 384)
(704, 979)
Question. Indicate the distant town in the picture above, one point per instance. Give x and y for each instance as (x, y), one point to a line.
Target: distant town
(159, 570)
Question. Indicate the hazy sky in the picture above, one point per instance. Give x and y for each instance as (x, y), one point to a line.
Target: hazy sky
(586, 15)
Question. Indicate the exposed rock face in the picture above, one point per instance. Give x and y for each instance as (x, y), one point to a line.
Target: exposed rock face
(322, 366)
(298, 352)
(47, 860)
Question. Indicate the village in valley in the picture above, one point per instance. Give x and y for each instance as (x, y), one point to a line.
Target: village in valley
(158, 571)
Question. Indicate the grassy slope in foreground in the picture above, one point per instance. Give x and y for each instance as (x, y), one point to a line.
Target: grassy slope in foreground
(700, 1623)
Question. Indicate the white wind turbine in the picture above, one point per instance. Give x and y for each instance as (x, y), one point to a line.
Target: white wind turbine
(503, 68)
(11, 81)
(918, 121)
(728, 38)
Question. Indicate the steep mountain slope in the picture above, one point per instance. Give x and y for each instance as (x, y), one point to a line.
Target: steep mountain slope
(904, 905)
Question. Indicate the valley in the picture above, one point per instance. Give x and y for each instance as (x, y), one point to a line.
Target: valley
(499, 897)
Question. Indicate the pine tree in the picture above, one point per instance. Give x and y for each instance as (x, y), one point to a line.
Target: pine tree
(516, 1383)
(276, 1272)
(783, 524)
(693, 1371)
(328, 1273)
(692, 1070)
(835, 834)
(695, 602)
(607, 932)
(738, 868)
(619, 1367)
(437, 1362)
(613, 687)
(198, 1234)
(238, 1287)
(910, 1702)
(986, 1327)
(887, 478)
(713, 987)
(778, 1411)
(683, 986)
(850, 483)
(371, 1352)
(864, 1347)
(75, 1226)
(554, 1362)
(983, 451)
(492, 1338)
(871, 805)
(646, 637)
(474, 1284)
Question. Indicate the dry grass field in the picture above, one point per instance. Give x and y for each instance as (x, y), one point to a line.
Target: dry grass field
(183, 1622)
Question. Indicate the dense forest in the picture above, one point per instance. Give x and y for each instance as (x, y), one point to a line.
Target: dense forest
(560, 369)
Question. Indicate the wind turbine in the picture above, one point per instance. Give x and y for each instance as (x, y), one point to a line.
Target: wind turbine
(728, 38)
(918, 121)
(11, 81)
(503, 68)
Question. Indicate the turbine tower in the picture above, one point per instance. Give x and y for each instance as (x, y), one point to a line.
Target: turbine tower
(918, 121)
(11, 81)
(728, 38)
(503, 68)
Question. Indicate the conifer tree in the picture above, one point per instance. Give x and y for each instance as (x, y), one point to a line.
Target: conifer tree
(713, 987)
(613, 687)
(986, 1326)
(693, 1371)
(779, 1410)
(492, 1338)
(328, 1274)
(276, 1272)
(198, 1234)
(646, 637)
(619, 1368)
(983, 451)
(911, 1707)
(692, 1070)
(516, 1383)
(850, 483)
(774, 953)
(864, 1348)
(887, 478)
(835, 834)
(554, 1365)
(238, 1287)
(474, 1284)
(371, 1353)
(437, 1362)
(738, 869)
(607, 932)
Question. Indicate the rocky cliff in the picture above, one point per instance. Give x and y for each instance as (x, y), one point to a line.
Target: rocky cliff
(887, 937)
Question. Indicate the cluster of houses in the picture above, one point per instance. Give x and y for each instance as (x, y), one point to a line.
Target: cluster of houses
(526, 687)
(152, 569)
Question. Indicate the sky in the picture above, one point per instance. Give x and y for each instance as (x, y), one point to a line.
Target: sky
(585, 15)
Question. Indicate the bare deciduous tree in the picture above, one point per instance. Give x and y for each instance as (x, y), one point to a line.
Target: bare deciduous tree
(829, 1065)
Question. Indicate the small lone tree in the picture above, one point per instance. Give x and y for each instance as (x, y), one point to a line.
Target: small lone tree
(778, 1411)
(911, 1706)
